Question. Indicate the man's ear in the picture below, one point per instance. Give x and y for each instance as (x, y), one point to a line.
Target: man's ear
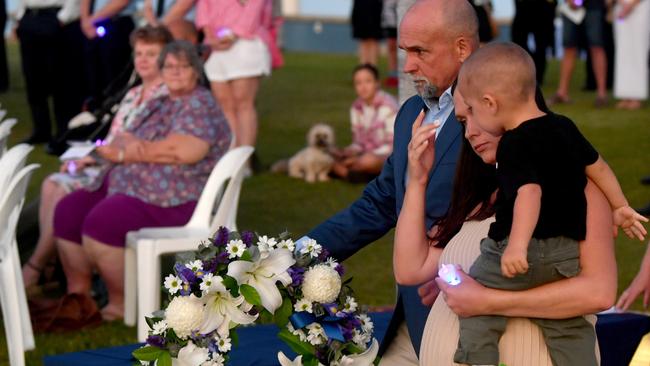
(463, 48)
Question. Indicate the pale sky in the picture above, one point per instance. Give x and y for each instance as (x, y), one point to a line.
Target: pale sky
(502, 8)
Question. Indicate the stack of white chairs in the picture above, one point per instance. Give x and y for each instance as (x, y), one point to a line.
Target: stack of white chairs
(5, 130)
(146, 246)
(13, 184)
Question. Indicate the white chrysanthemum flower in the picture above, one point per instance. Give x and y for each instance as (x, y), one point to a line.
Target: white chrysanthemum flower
(235, 248)
(218, 359)
(266, 244)
(361, 339)
(184, 314)
(332, 262)
(366, 323)
(312, 248)
(209, 282)
(159, 327)
(195, 266)
(173, 283)
(298, 332)
(303, 305)
(316, 334)
(191, 355)
(223, 344)
(350, 305)
(321, 284)
(287, 244)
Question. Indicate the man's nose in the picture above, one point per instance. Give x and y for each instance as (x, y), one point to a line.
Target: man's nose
(409, 65)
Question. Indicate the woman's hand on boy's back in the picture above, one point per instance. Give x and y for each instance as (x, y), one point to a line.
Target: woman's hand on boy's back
(421, 149)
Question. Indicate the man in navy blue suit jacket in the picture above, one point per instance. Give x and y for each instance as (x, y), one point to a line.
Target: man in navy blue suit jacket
(437, 35)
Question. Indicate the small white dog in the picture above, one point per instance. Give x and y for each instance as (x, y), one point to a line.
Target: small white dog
(314, 162)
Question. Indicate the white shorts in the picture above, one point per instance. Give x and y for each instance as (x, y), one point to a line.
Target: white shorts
(246, 58)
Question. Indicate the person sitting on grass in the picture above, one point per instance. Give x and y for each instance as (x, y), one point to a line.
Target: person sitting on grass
(371, 115)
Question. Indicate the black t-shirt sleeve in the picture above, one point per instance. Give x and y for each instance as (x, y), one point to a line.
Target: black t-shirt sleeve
(517, 164)
(585, 152)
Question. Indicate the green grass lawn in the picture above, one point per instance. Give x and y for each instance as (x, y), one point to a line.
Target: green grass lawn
(313, 88)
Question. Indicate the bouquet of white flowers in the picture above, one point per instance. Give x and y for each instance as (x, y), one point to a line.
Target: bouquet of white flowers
(236, 279)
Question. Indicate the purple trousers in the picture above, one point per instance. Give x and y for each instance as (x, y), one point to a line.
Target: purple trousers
(108, 219)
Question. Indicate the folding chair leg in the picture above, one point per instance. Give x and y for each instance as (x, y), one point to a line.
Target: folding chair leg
(148, 285)
(130, 284)
(11, 314)
(25, 320)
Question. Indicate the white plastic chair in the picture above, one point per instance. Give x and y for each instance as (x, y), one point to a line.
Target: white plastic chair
(146, 246)
(18, 326)
(11, 162)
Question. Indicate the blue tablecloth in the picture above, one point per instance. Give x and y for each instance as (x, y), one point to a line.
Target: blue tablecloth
(618, 336)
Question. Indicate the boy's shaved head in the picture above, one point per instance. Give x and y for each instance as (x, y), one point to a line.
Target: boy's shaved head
(503, 69)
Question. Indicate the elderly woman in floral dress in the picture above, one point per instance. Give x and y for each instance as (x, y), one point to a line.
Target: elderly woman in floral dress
(372, 116)
(159, 169)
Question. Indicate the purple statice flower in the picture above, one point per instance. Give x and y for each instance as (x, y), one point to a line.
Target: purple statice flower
(221, 237)
(156, 341)
(247, 237)
(324, 254)
(212, 346)
(321, 355)
(339, 269)
(222, 257)
(297, 274)
(186, 274)
(347, 332)
(210, 266)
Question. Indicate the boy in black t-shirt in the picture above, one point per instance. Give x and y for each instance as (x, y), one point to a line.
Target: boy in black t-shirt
(542, 165)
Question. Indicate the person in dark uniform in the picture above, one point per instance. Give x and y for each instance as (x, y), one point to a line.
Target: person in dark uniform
(366, 28)
(50, 49)
(106, 25)
(535, 17)
(4, 70)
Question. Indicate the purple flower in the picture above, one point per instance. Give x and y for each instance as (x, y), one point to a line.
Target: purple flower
(297, 274)
(339, 269)
(347, 332)
(156, 341)
(222, 257)
(186, 274)
(321, 355)
(210, 266)
(324, 254)
(186, 289)
(247, 237)
(221, 237)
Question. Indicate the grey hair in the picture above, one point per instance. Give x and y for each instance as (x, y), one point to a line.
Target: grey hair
(183, 50)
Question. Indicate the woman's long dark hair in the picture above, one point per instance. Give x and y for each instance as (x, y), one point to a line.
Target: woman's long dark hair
(474, 184)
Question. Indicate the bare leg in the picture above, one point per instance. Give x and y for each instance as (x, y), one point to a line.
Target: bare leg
(51, 194)
(566, 70)
(222, 92)
(599, 64)
(109, 260)
(77, 267)
(368, 163)
(244, 92)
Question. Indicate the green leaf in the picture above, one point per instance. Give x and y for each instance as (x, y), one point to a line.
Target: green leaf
(309, 360)
(234, 337)
(295, 343)
(265, 317)
(250, 294)
(148, 353)
(353, 348)
(246, 256)
(282, 315)
(231, 285)
(165, 359)
(347, 281)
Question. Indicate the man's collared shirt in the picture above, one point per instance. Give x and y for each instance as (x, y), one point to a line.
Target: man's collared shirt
(439, 110)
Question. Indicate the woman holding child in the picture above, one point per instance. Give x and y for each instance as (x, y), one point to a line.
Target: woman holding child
(459, 233)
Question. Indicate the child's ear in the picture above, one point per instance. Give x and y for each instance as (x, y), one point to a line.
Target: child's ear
(490, 102)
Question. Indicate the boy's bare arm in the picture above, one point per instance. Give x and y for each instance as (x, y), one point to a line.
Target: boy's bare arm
(524, 219)
(624, 215)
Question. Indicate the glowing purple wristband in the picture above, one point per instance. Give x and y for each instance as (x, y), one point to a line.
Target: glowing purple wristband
(448, 273)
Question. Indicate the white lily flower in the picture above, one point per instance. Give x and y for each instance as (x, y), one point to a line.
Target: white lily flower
(286, 361)
(262, 275)
(362, 359)
(221, 308)
(191, 355)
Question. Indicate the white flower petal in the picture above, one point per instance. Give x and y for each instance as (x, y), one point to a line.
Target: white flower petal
(269, 293)
(238, 270)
